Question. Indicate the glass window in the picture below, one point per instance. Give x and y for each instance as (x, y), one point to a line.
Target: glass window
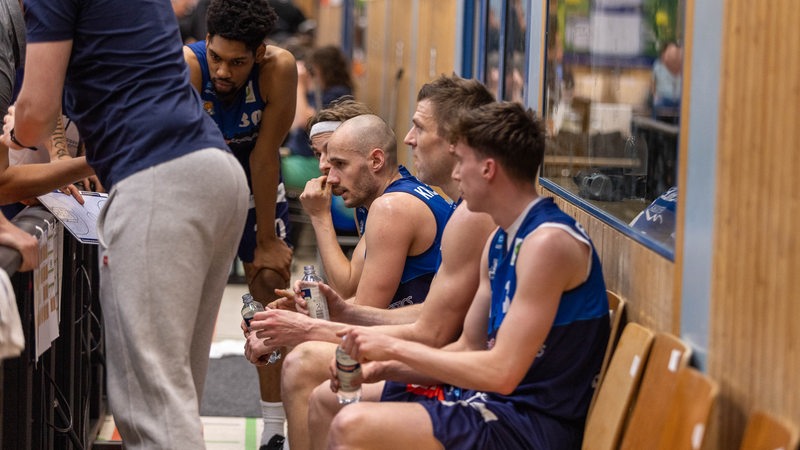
(494, 24)
(612, 110)
(516, 66)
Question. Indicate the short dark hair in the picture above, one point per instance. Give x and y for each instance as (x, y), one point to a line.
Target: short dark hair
(449, 95)
(247, 21)
(507, 132)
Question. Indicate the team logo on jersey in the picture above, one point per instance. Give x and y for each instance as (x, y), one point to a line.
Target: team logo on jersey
(493, 269)
(507, 299)
(209, 107)
(249, 95)
(515, 250)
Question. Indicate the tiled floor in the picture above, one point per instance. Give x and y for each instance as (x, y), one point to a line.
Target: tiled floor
(229, 433)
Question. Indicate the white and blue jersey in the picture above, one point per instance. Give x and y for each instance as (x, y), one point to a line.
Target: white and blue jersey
(419, 270)
(239, 122)
(548, 408)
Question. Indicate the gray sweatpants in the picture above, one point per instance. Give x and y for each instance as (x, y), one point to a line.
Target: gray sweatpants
(168, 235)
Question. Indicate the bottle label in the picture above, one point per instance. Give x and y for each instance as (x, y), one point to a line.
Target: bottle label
(348, 372)
(317, 307)
(248, 317)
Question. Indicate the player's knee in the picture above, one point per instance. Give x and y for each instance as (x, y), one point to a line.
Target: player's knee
(299, 369)
(347, 425)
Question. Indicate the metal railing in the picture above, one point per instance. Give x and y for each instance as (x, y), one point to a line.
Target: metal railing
(57, 401)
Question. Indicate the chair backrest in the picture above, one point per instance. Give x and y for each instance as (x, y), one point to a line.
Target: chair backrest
(767, 432)
(616, 311)
(667, 356)
(689, 410)
(606, 421)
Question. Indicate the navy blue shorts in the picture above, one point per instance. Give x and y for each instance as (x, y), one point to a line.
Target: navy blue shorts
(481, 423)
(247, 245)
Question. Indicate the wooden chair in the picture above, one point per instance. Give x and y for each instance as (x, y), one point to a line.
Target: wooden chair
(687, 416)
(766, 432)
(606, 421)
(616, 311)
(667, 356)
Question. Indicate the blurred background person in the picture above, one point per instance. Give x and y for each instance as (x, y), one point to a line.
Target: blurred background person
(323, 76)
(667, 81)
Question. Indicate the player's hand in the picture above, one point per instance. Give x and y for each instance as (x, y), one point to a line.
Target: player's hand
(316, 197)
(280, 327)
(290, 300)
(365, 344)
(273, 254)
(73, 190)
(27, 245)
(336, 304)
(8, 125)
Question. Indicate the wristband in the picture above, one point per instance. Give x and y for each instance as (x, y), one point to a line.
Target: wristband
(14, 140)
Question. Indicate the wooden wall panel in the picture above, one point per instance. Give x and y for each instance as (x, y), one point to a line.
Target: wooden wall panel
(373, 92)
(754, 342)
(329, 26)
(434, 55)
(437, 39)
(401, 74)
(639, 275)
(398, 57)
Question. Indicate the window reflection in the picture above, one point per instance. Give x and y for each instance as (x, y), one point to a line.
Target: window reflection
(516, 67)
(612, 107)
(492, 62)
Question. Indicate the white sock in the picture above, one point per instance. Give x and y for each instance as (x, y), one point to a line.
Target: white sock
(274, 416)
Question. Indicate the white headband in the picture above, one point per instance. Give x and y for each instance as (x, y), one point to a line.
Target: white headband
(323, 127)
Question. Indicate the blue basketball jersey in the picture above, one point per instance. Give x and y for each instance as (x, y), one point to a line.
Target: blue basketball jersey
(419, 270)
(548, 408)
(239, 122)
(559, 382)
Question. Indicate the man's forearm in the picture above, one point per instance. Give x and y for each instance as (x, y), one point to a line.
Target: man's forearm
(369, 316)
(337, 265)
(29, 180)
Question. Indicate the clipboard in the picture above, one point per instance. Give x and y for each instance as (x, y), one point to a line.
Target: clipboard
(79, 220)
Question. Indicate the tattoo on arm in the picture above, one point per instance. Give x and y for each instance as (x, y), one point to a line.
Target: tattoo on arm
(59, 140)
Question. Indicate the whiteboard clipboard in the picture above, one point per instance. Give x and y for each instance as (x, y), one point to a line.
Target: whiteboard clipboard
(79, 220)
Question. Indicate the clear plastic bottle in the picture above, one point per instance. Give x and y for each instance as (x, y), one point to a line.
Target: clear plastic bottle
(348, 371)
(309, 286)
(249, 308)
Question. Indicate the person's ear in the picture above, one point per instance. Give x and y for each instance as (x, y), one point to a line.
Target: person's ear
(260, 52)
(377, 158)
(489, 168)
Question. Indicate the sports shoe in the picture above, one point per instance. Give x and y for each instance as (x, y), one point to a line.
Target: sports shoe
(275, 443)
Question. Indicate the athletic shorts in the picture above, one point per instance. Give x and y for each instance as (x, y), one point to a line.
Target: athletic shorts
(247, 245)
(481, 423)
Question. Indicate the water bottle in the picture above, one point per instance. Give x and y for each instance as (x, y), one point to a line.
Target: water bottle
(249, 308)
(309, 287)
(348, 371)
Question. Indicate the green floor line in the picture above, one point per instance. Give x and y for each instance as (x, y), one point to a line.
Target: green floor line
(250, 438)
